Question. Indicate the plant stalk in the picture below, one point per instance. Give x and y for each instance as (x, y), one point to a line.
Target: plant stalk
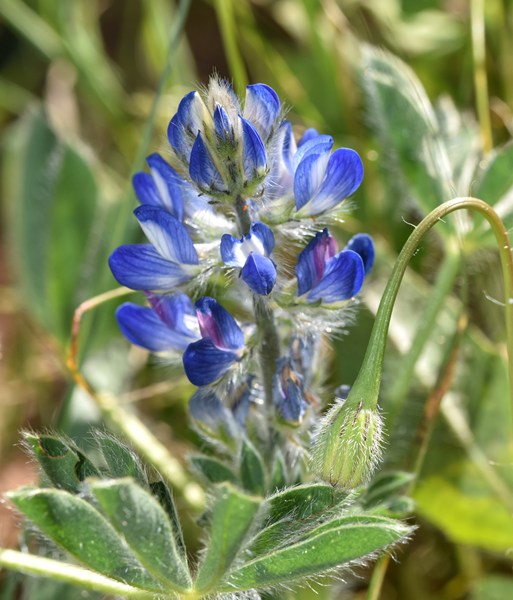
(367, 384)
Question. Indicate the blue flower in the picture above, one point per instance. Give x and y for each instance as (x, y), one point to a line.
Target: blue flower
(169, 260)
(322, 179)
(220, 347)
(222, 146)
(324, 275)
(207, 333)
(170, 323)
(251, 254)
(288, 393)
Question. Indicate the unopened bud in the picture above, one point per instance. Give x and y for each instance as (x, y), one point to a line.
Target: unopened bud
(348, 445)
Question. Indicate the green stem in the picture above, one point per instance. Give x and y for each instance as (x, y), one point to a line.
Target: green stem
(443, 285)
(72, 574)
(367, 384)
(269, 341)
(378, 577)
(477, 8)
(225, 16)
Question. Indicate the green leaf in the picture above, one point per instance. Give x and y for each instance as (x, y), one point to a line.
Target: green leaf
(121, 460)
(81, 530)
(213, 470)
(493, 587)
(165, 498)
(279, 472)
(251, 469)
(302, 501)
(385, 486)
(403, 117)
(65, 466)
(232, 516)
(52, 188)
(330, 545)
(474, 519)
(143, 523)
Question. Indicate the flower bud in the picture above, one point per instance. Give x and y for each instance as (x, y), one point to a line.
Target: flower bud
(348, 445)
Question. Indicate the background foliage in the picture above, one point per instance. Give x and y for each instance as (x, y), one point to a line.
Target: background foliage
(78, 84)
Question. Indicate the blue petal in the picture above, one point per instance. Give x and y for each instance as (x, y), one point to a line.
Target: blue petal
(288, 395)
(185, 125)
(263, 233)
(344, 174)
(308, 135)
(202, 169)
(230, 251)
(262, 106)
(218, 324)
(204, 362)
(312, 260)
(140, 267)
(363, 245)
(168, 183)
(222, 124)
(143, 327)
(342, 280)
(170, 238)
(254, 157)
(259, 273)
(146, 190)
(320, 144)
(173, 310)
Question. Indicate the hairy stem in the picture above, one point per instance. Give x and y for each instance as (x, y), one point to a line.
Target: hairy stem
(269, 341)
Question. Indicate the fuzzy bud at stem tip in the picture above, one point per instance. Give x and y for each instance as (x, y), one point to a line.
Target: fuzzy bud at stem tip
(348, 445)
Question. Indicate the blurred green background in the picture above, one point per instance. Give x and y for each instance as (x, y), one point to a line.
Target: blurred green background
(87, 88)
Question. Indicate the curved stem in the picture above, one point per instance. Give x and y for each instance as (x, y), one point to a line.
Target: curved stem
(378, 577)
(366, 387)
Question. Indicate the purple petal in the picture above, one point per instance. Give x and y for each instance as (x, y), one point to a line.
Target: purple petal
(217, 324)
(259, 273)
(261, 107)
(170, 238)
(288, 395)
(202, 169)
(204, 362)
(177, 312)
(312, 261)
(205, 406)
(254, 157)
(363, 245)
(342, 279)
(143, 327)
(141, 267)
(344, 174)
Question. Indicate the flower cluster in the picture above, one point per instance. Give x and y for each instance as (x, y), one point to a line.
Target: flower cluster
(228, 210)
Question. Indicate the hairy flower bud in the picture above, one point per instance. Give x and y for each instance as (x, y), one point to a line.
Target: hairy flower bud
(348, 445)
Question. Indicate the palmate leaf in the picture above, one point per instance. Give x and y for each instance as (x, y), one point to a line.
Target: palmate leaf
(233, 514)
(251, 469)
(62, 462)
(144, 525)
(211, 469)
(78, 528)
(325, 547)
